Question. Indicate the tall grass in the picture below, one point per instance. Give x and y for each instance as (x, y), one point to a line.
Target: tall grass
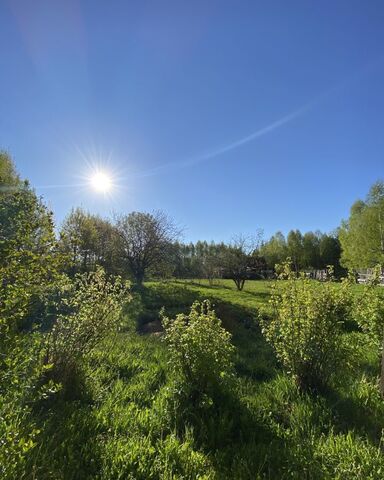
(266, 429)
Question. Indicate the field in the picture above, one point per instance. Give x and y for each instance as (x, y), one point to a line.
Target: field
(121, 428)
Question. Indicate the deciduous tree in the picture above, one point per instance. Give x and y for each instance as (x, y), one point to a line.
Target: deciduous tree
(238, 261)
(145, 241)
(362, 235)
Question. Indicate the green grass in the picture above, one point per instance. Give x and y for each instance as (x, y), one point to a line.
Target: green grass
(121, 426)
(254, 294)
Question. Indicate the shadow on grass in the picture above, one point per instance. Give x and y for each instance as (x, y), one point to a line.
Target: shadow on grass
(254, 356)
(351, 413)
(261, 295)
(67, 445)
(222, 286)
(242, 445)
(142, 314)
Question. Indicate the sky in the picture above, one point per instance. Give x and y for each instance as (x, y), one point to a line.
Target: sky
(229, 116)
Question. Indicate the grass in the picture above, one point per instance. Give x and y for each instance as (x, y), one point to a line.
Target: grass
(120, 427)
(254, 294)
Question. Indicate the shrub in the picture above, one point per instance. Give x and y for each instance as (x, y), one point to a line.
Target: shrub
(90, 307)
(201, 353)
(369, 314)
(20, 371)
(28, 262)
(305, 329)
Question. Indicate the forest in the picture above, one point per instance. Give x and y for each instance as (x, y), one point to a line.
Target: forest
(126, 353)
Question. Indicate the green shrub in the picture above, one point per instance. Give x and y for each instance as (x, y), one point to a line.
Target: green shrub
(369, 309)
(201, 353)
(92, 305)
(369, 314)
(20, 371)
(28, 263)
(305, 329)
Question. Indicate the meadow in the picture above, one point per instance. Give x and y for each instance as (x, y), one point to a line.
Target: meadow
(119, 425)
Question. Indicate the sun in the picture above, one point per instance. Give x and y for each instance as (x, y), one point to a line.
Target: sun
(101, 182)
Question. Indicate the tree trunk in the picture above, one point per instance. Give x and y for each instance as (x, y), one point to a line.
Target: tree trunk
(239, 283)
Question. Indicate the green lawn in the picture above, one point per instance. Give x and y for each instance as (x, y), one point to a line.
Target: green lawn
(255, 293)
(121, 428)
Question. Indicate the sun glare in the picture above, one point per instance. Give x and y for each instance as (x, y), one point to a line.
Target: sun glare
(101, 182)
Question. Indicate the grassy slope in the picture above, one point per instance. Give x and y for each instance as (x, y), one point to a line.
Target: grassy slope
(120, 428)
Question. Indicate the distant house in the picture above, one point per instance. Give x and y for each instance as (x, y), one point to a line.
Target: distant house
(366, 274)
(320, 275)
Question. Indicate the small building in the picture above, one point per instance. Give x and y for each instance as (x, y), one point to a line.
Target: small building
(366, 274)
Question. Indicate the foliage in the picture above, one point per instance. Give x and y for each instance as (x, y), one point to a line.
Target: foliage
(330, 252)
(145, 241)
(28, 262)
(90, 308)
(201, 354)
(273, 431)
(9, 178)
(308, 251)
(89, 241)
(198, 260)
(236, 265)
(370, 308)
(239, 261)
(369, 313)
(122, 428)
(362, 236)
(274, 250)
(295, 248)
(305, 329)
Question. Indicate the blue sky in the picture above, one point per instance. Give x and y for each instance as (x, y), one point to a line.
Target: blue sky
(229, 116)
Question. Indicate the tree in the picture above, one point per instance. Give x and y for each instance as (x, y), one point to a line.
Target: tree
(362, 236)
(330, 252)
(9, 178)
(28, 247)
(200, 260)
(89, 240)
(28, 264)
(238, 261)
(274, 250)
(295, 248)
(106, 245)
(145, 241)
(311, 250)
(78, 239)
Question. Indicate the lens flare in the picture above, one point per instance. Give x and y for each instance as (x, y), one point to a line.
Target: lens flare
(101, 182)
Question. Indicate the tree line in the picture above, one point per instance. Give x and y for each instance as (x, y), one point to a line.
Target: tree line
(141, 245)
(144, 245)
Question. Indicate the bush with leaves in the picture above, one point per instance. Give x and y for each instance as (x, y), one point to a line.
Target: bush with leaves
(28, 262)
(201, 354)
(306, 327)
(369, 314)
(90, 307)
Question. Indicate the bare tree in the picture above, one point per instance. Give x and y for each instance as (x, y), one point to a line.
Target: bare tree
(145, 240)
